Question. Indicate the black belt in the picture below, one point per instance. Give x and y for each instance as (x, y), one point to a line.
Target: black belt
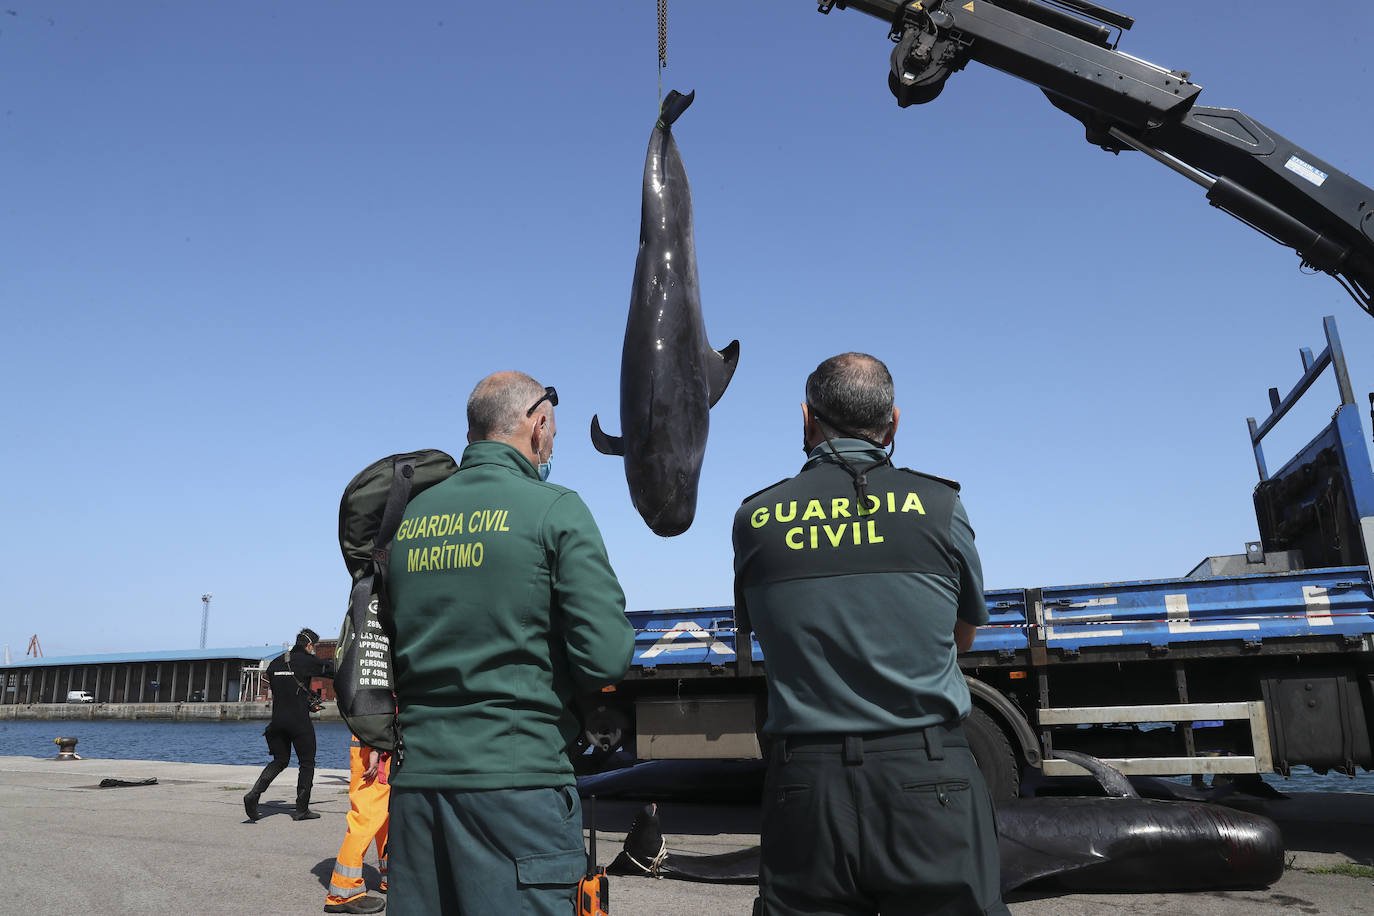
(932, 739)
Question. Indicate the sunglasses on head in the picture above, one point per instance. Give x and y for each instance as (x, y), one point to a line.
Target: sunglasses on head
(550, 394)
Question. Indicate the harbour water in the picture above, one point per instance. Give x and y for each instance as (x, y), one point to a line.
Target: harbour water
(239, 743)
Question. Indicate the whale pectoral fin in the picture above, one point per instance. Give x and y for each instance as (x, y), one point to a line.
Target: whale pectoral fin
(1112, 780)
(720, 368)
(1028, 858)
(606, 445)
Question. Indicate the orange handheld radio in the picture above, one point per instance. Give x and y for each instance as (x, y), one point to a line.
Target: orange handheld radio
(593, 891)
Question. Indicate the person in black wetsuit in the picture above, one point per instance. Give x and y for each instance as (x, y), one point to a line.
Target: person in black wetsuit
(289, 677)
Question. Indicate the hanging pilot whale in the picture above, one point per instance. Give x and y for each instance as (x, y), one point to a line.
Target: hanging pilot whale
(669, 375)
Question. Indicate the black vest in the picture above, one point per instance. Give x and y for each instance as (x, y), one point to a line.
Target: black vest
(812, 525)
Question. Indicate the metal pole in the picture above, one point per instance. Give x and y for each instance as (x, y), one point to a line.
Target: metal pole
(204, 617)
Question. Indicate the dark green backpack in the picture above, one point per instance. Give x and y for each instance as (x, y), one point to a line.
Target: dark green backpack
(370, 512)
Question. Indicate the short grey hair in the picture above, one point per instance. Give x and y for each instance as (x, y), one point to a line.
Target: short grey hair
(497, 406)
(854, 392)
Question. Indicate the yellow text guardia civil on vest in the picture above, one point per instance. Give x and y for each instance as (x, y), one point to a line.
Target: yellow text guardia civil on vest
(858, 532)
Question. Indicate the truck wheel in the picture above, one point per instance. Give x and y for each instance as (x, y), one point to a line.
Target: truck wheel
(994, 755)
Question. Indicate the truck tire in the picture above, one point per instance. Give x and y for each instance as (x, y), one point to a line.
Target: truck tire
(994, 755)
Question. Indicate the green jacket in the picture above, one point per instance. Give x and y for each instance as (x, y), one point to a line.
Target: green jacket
(854, 603)
(506, 607)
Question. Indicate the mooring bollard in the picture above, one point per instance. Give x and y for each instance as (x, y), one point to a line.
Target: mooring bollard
(66, 748)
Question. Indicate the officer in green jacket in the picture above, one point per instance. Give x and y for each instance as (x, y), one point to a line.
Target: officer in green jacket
(505, 608)
(861, 581)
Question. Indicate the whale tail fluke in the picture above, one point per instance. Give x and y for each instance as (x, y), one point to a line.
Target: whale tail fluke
(674, 104)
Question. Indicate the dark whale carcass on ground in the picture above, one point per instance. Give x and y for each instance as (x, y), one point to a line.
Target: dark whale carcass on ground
(1128, 843)
(1118, 843)
(670, 377)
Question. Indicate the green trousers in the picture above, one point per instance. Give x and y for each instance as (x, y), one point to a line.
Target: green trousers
(898, 824)
(500, 851)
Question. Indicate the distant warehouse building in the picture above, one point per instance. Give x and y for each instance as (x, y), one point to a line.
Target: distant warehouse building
(177, 676)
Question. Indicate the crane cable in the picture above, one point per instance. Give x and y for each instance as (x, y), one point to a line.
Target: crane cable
(662, 45)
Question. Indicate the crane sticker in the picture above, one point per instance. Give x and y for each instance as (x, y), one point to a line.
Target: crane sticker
(698, 638)
(1305, 170)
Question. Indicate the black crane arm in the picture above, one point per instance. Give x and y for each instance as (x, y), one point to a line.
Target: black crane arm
(1067, 48)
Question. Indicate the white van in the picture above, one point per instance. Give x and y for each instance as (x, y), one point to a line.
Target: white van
(79, 696)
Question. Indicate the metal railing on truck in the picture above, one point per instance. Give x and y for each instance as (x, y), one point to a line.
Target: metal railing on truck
(1333, 602)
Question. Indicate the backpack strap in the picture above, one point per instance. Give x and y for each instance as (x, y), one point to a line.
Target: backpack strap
(358, 600)
(402, 479)
(364, 702)
(286, 660)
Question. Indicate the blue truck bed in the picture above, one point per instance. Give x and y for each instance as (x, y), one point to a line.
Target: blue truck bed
(1223, 610)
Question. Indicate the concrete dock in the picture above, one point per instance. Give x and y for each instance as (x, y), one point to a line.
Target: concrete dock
(179, 712)
(184, 846)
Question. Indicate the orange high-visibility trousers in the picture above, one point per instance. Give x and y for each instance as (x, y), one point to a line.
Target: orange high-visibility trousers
(368, 801)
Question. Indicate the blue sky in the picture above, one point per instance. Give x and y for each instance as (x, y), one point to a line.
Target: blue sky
(250, 247)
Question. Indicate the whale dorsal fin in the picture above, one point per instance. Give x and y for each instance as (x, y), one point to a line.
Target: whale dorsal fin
(720, 368)
(606, 445)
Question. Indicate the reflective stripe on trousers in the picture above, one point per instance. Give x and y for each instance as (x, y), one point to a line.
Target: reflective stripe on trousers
(368, 818)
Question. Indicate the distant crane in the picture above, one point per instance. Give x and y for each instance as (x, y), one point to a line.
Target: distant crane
(34, 648)
(204, 617)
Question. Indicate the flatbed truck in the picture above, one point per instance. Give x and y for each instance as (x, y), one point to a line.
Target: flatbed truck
(1251, 663)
